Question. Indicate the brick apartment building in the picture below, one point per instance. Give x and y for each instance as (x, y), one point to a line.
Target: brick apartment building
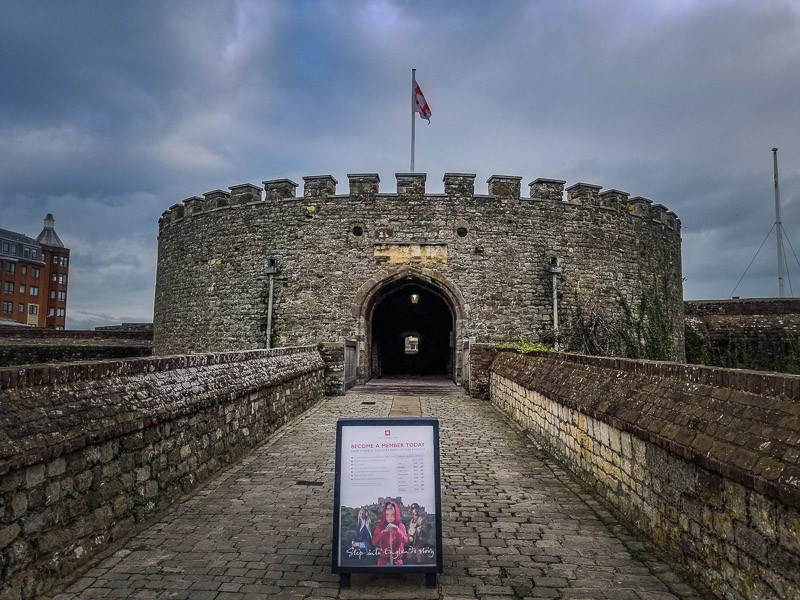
(34, 277)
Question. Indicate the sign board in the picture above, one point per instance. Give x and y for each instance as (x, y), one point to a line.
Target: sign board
(387, 497)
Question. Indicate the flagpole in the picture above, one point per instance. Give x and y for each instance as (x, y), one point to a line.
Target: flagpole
(413, 103)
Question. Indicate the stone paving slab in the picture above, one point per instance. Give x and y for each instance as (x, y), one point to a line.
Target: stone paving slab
(515, 525)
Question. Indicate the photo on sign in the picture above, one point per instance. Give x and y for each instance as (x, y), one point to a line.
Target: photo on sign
(387, 493)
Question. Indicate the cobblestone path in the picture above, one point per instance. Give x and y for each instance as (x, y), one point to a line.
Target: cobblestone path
(515, 524)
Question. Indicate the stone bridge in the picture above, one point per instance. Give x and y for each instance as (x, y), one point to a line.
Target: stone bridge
(211, 476)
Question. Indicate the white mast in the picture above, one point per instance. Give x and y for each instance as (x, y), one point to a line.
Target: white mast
(778, 227)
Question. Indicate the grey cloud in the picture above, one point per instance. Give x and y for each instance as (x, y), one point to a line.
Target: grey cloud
(118, 110)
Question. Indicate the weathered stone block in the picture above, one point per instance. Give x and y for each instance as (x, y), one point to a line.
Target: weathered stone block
(35, 475)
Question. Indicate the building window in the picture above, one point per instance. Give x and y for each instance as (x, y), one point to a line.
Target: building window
(60, 313)
(62, 296)
(62, 279)
(63, 261)
(60, 328)
(21, 289)
(55, 277)
(22, 308)
(26, 252)
(55, 259)
(51, 312)
(11, 267)
(35, 272)
(8, 307)
(33, 309)
(9, 287)
(5, 246)
(24, 270)
(14, 249)
(52, 294)
(34, 290)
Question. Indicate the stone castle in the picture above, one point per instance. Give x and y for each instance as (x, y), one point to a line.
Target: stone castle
(701, 460)
(476, 267)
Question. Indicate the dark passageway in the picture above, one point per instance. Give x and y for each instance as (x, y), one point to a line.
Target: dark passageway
(411, 333)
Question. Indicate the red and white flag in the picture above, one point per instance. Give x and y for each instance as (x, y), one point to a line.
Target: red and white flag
(420, 104)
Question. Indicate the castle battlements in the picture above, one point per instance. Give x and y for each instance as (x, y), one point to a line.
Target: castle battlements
(363, 186)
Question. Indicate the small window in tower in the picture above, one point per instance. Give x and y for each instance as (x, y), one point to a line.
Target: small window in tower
(412, 344)
(63, 261)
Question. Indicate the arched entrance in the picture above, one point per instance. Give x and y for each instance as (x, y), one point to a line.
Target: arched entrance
(410, 324)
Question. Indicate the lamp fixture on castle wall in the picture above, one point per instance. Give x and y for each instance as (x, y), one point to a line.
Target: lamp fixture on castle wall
(271, 271)
(414, 298)
(555, 269)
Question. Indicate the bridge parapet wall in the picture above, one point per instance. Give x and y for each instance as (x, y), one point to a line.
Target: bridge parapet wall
(91, 452)
(705, 461)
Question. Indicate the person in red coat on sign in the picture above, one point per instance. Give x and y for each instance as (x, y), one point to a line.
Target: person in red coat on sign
(390, 536)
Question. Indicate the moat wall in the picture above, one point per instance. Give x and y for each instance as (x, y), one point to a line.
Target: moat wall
(744, 333)
(702, 460)
(487, 255)
(33, 345)
(91, 452)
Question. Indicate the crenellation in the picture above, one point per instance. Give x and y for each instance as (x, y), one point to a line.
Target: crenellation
(674, 221)
(279, 189)
(639, 206)
(506, 187)
(217, 199)
(176, 212)
(658, 213)
(459, 184)
(319, 186)
(194, 204)
(411, 184)
(547, 189)
(615, 200)
(364, 184)
(585, 194)
(244, 193)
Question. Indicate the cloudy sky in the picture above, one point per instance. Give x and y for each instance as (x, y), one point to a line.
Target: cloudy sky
(112, 111)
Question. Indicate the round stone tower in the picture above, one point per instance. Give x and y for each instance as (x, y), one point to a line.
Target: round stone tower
(406, 278)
